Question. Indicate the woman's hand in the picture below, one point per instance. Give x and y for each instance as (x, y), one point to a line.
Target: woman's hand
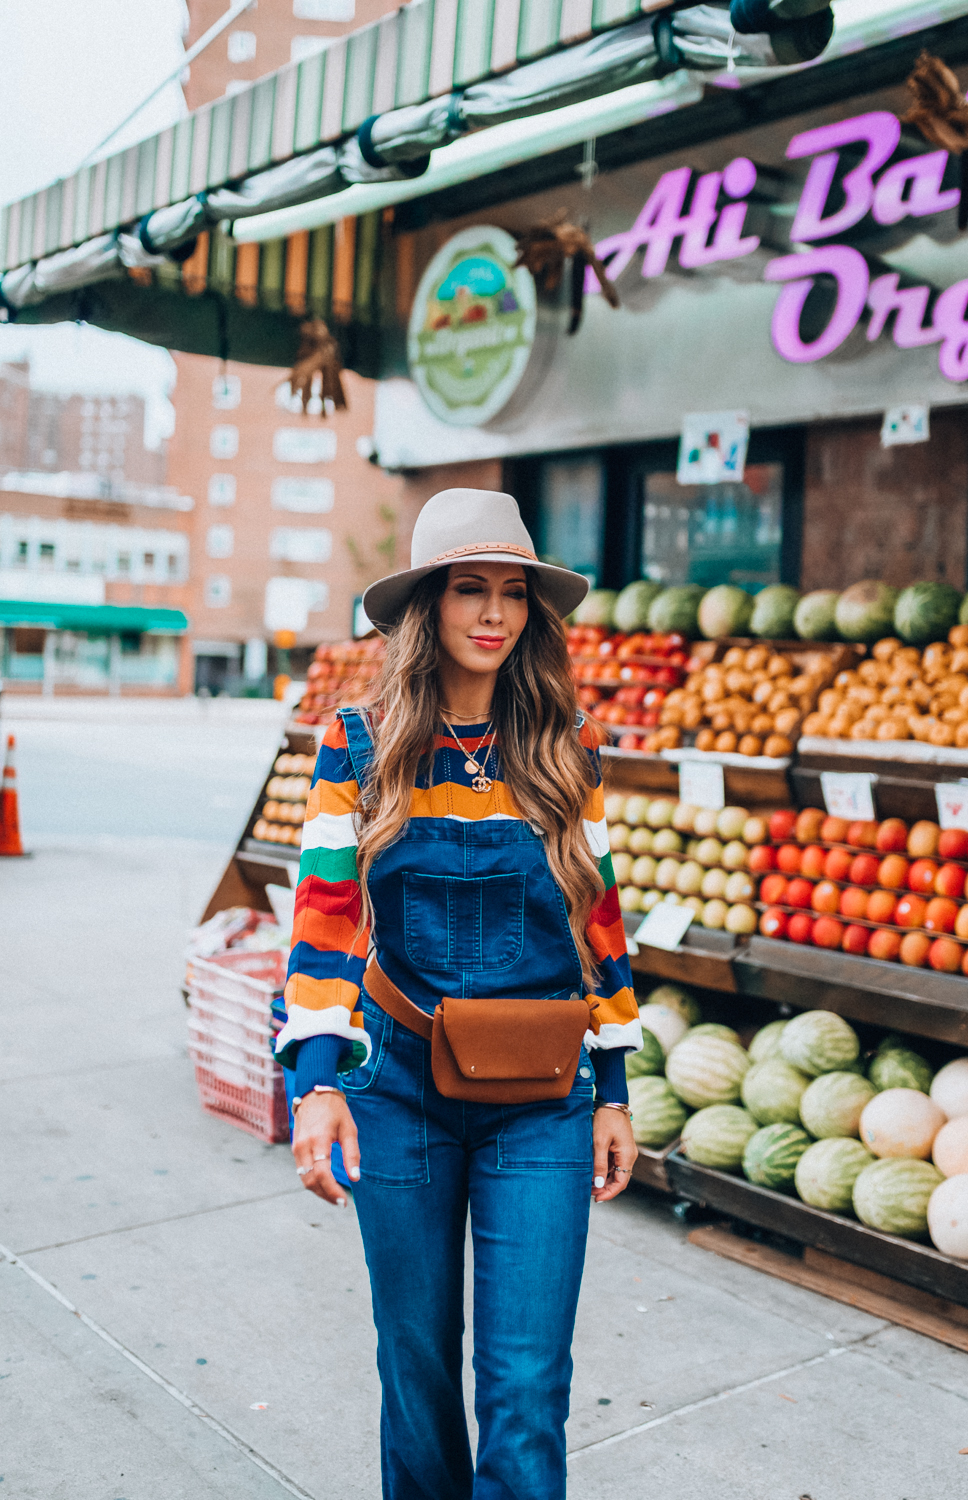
(322, 1119)
(615, 1153)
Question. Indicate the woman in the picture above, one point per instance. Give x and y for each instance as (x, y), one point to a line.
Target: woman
(424, 849)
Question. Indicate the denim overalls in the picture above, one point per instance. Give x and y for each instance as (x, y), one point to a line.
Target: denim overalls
(469, 908)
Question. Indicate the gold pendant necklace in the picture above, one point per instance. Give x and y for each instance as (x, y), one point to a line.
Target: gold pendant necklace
(481, 783)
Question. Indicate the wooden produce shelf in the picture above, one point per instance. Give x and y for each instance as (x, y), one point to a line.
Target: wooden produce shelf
(704, 958)
(905, 773)
(650, 1168)
(917, 1264)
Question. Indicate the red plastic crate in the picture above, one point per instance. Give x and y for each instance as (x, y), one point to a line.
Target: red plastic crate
(263, 1113)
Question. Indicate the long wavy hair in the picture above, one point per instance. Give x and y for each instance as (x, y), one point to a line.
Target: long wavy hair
(544, 767)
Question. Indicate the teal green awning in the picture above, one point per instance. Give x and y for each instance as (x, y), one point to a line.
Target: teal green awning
(104, 619)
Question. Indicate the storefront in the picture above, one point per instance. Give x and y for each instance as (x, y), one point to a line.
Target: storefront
(49, 648)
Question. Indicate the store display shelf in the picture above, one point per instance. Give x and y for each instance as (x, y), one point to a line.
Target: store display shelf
(650, 1170)
(257, 853)
(904, 773)
(702, 958)
(910, 1261)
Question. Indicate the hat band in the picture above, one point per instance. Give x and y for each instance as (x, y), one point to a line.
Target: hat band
(477, 548)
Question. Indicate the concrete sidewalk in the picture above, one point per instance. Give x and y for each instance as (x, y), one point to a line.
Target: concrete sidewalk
(212, 1286)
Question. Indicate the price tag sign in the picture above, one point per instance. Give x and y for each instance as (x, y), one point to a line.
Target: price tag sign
(849, 794)
(952, 799)
(665, 926)
(701, 784)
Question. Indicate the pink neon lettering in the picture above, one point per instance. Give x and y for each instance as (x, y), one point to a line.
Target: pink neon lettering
(656, 227)
(881, 131)
(850, 270)
(702, 216)
(892, 201)
(737, 180)
(739, 177)
(910, 305)
(950, 323)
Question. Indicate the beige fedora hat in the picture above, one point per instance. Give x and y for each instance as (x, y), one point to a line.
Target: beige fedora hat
(461, 526)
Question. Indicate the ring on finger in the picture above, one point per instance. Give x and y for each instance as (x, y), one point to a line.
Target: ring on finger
(320, 1158)
(302, 1171)
(623, 1170)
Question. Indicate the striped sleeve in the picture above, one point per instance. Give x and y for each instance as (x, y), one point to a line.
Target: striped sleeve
(328, 946)
(605, 930)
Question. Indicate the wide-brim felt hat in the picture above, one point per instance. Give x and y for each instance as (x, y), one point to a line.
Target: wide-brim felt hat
(465, 526)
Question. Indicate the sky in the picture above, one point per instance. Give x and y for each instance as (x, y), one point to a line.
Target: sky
(72, 70)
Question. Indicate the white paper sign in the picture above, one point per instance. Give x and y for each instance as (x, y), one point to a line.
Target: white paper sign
(664, 926)
(701, 784)
(905, 424)
(712, 448)
(849, 794)
(952, 798)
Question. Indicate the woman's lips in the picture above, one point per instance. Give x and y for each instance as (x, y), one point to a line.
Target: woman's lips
(488, 642)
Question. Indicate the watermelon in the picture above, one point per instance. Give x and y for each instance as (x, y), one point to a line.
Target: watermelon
(658, 1114)
(771, 1155)
(833, 1104)
(706, 1070)
(676, 998)
(963, 611)
(631, 610)
(926, 612)
(773, 611)
(827, 1171)
(597, 608)
(817, 1041)
(725, 610)
(676, 609)
(893, 1195)
(772, 1091)
(714, 1028)
(814, 618)
(948, 1217)
(649, 1059)
(667, 1025)
(895, 1066)
(766, 1042)
(718, 1136)
(865, 611)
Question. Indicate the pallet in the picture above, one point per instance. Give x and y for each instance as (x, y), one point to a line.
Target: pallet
(856, 1286)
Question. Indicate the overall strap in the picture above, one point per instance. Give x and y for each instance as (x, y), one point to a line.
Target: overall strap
(359, 740)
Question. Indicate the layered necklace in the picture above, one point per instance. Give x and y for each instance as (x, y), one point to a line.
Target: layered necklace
(481, 782)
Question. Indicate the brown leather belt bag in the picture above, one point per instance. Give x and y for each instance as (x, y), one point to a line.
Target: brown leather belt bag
(494, 1051)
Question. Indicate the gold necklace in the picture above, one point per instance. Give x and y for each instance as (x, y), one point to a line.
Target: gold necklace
(481, 783)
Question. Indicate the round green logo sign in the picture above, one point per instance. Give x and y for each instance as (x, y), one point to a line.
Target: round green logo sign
(472, 327)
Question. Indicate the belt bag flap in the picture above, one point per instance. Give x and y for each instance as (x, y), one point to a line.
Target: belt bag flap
(514, 1039)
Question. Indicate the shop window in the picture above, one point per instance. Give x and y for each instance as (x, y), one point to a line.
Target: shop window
(221, 489)
(218, 591)
(571, 515)
(45, 554)
(28, 642)
(713, 533)
(130, 642)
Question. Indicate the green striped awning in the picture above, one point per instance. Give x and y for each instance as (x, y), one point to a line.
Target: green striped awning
(102, 619)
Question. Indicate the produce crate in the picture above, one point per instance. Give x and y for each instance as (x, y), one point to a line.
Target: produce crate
(262, 1112)
(703, 958)
(230, 1042)
(904, 773)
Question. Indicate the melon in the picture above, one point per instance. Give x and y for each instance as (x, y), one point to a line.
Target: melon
(926, 612)
(772, 1090)
(596, 608)
(773, 611)
(893, 1196)
(631, 610)
(649, 1059)
(814, 618)
(834, 1103)
(676, 609)
(718, 1136)
(725, 610)
(950, 1150)
(897, 1067)
(715, 1028)
(766, 1042)
(900, 1122)
(865, 611)
(771, 1155)
(827, 1171)
(676, 998)
(706, 1070)
(817, 1041)
(948, 1217)
(963, 611)
(949, 1088)
(658, 1116)
(667, 1025)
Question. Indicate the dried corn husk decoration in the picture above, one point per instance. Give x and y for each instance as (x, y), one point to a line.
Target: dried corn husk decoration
(318, 353)
(940, 112)
(543, 250)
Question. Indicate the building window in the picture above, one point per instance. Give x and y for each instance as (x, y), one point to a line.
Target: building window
(224, 441)
(124, 562)
(221, 489)
(23, 548)
(218, 591)
(241, 46)
(149, 560)
(304, 544)
(173, 565)
(303, 445)
(304, 496)
(226, 392)
(45, 553)
(73, 565)
(220, 541)
(324, 10)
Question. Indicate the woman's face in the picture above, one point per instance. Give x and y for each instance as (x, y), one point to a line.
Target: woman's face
(483, 610)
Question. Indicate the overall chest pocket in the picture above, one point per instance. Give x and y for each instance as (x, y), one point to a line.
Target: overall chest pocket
(476, 925)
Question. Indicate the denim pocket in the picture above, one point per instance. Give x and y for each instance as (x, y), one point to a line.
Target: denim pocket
(473, 925)
(387, 1104)
(554, 1134)
(379, 1028)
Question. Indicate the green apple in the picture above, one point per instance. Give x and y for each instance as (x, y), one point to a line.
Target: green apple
(615, 808)
(630, 898)
(667, 874)
(650, 899)
(713, 883)
(622, 868)
(636, 810)
(731, 822)
(684, 817)
(689, 880)
(735, 855)
(695, 904)
(704, 824)
(755, 831)
(741, 919)
(660, 812)
(714, 914)
(739, 887)
(667, 841)
(640, 841)
(618, 836)
(710, 852)
(643, 871)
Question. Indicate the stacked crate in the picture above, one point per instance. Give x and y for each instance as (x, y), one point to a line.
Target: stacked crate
(231, 1031)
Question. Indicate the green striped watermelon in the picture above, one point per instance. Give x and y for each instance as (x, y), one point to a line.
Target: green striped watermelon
(771, 1155)
(648, 1060)
(833, 1104)
(827, 1171)
(766, 1042)
(772, 1091)
(715, 1028)
(657, 1115)
(676, 998)
(817, 1042)
(892, 1195)
(718, 1136)
(706, 1070)
(895, 1066)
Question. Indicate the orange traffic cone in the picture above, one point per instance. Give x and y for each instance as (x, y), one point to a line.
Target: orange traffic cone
(9, 808)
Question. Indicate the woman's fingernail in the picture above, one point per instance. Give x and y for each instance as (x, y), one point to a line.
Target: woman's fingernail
(599, 1182)
(341, 1202)
(355, 1173)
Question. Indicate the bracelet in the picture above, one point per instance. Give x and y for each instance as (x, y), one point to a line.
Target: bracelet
(607, 1104)
(318, 1088)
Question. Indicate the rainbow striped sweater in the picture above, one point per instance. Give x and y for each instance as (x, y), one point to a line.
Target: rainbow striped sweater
(329, 952)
